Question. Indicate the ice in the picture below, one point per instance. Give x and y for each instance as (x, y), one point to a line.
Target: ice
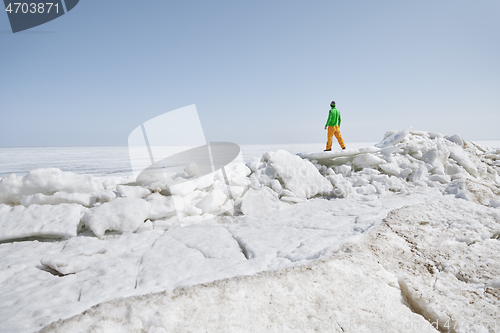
(390, 169)
(161, 206)
(345, 170)
(260, 201)
(60, 221)
(462, 159)
(404, 232)
(408, 274)
(193, 252)
(367, 189)
(298, 176)
(83, 199)
(342, 187)
(79, 254)
(455, 138)
(323, 296)
(366, 161)
(137, 192)
(212, 202)
(265, 175)
(181, 186)
(392, 139)
(339, 153)
(46, 181)
(444, 179)
(121, 214)
(446, 259)
(193, 170)
(471, 190)
(237, 174)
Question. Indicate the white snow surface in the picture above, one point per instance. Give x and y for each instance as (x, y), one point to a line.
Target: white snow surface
(45, 181)
(121, 214)
(39, 221)
(399, 237)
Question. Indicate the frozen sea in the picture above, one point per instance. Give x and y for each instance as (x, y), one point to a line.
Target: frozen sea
(114, 161)
(396, 236)
(110, 161)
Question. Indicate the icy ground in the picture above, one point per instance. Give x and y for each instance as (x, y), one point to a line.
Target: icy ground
(399, 237)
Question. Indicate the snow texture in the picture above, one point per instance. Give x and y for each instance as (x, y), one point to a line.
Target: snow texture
(59, 221)
(45, 181)
(121, 214)
(402, 236)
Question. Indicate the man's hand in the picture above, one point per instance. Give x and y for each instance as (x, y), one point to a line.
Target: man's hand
(325, 126)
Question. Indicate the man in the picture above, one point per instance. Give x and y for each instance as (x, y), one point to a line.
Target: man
(333, 124)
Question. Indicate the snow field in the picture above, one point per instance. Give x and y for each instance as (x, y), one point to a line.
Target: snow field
(323, 296)
(401, 161)
(424, 269)
(83, 271)
(111, 239)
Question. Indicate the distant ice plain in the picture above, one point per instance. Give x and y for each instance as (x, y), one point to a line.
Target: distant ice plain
(113, 161)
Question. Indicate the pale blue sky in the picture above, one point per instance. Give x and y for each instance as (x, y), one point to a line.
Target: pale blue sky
(258, 71)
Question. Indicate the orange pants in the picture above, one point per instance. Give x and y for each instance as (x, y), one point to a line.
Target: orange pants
(331, 131)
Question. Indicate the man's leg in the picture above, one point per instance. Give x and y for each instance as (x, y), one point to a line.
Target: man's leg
(338, 136)
(330, 138)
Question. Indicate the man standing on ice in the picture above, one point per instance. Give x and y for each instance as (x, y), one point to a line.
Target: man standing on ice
(333, 124)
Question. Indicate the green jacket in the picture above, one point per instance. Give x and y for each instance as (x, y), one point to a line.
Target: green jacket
(333, 118)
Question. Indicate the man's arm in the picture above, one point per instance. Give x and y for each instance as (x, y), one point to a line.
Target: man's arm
(330, 115)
